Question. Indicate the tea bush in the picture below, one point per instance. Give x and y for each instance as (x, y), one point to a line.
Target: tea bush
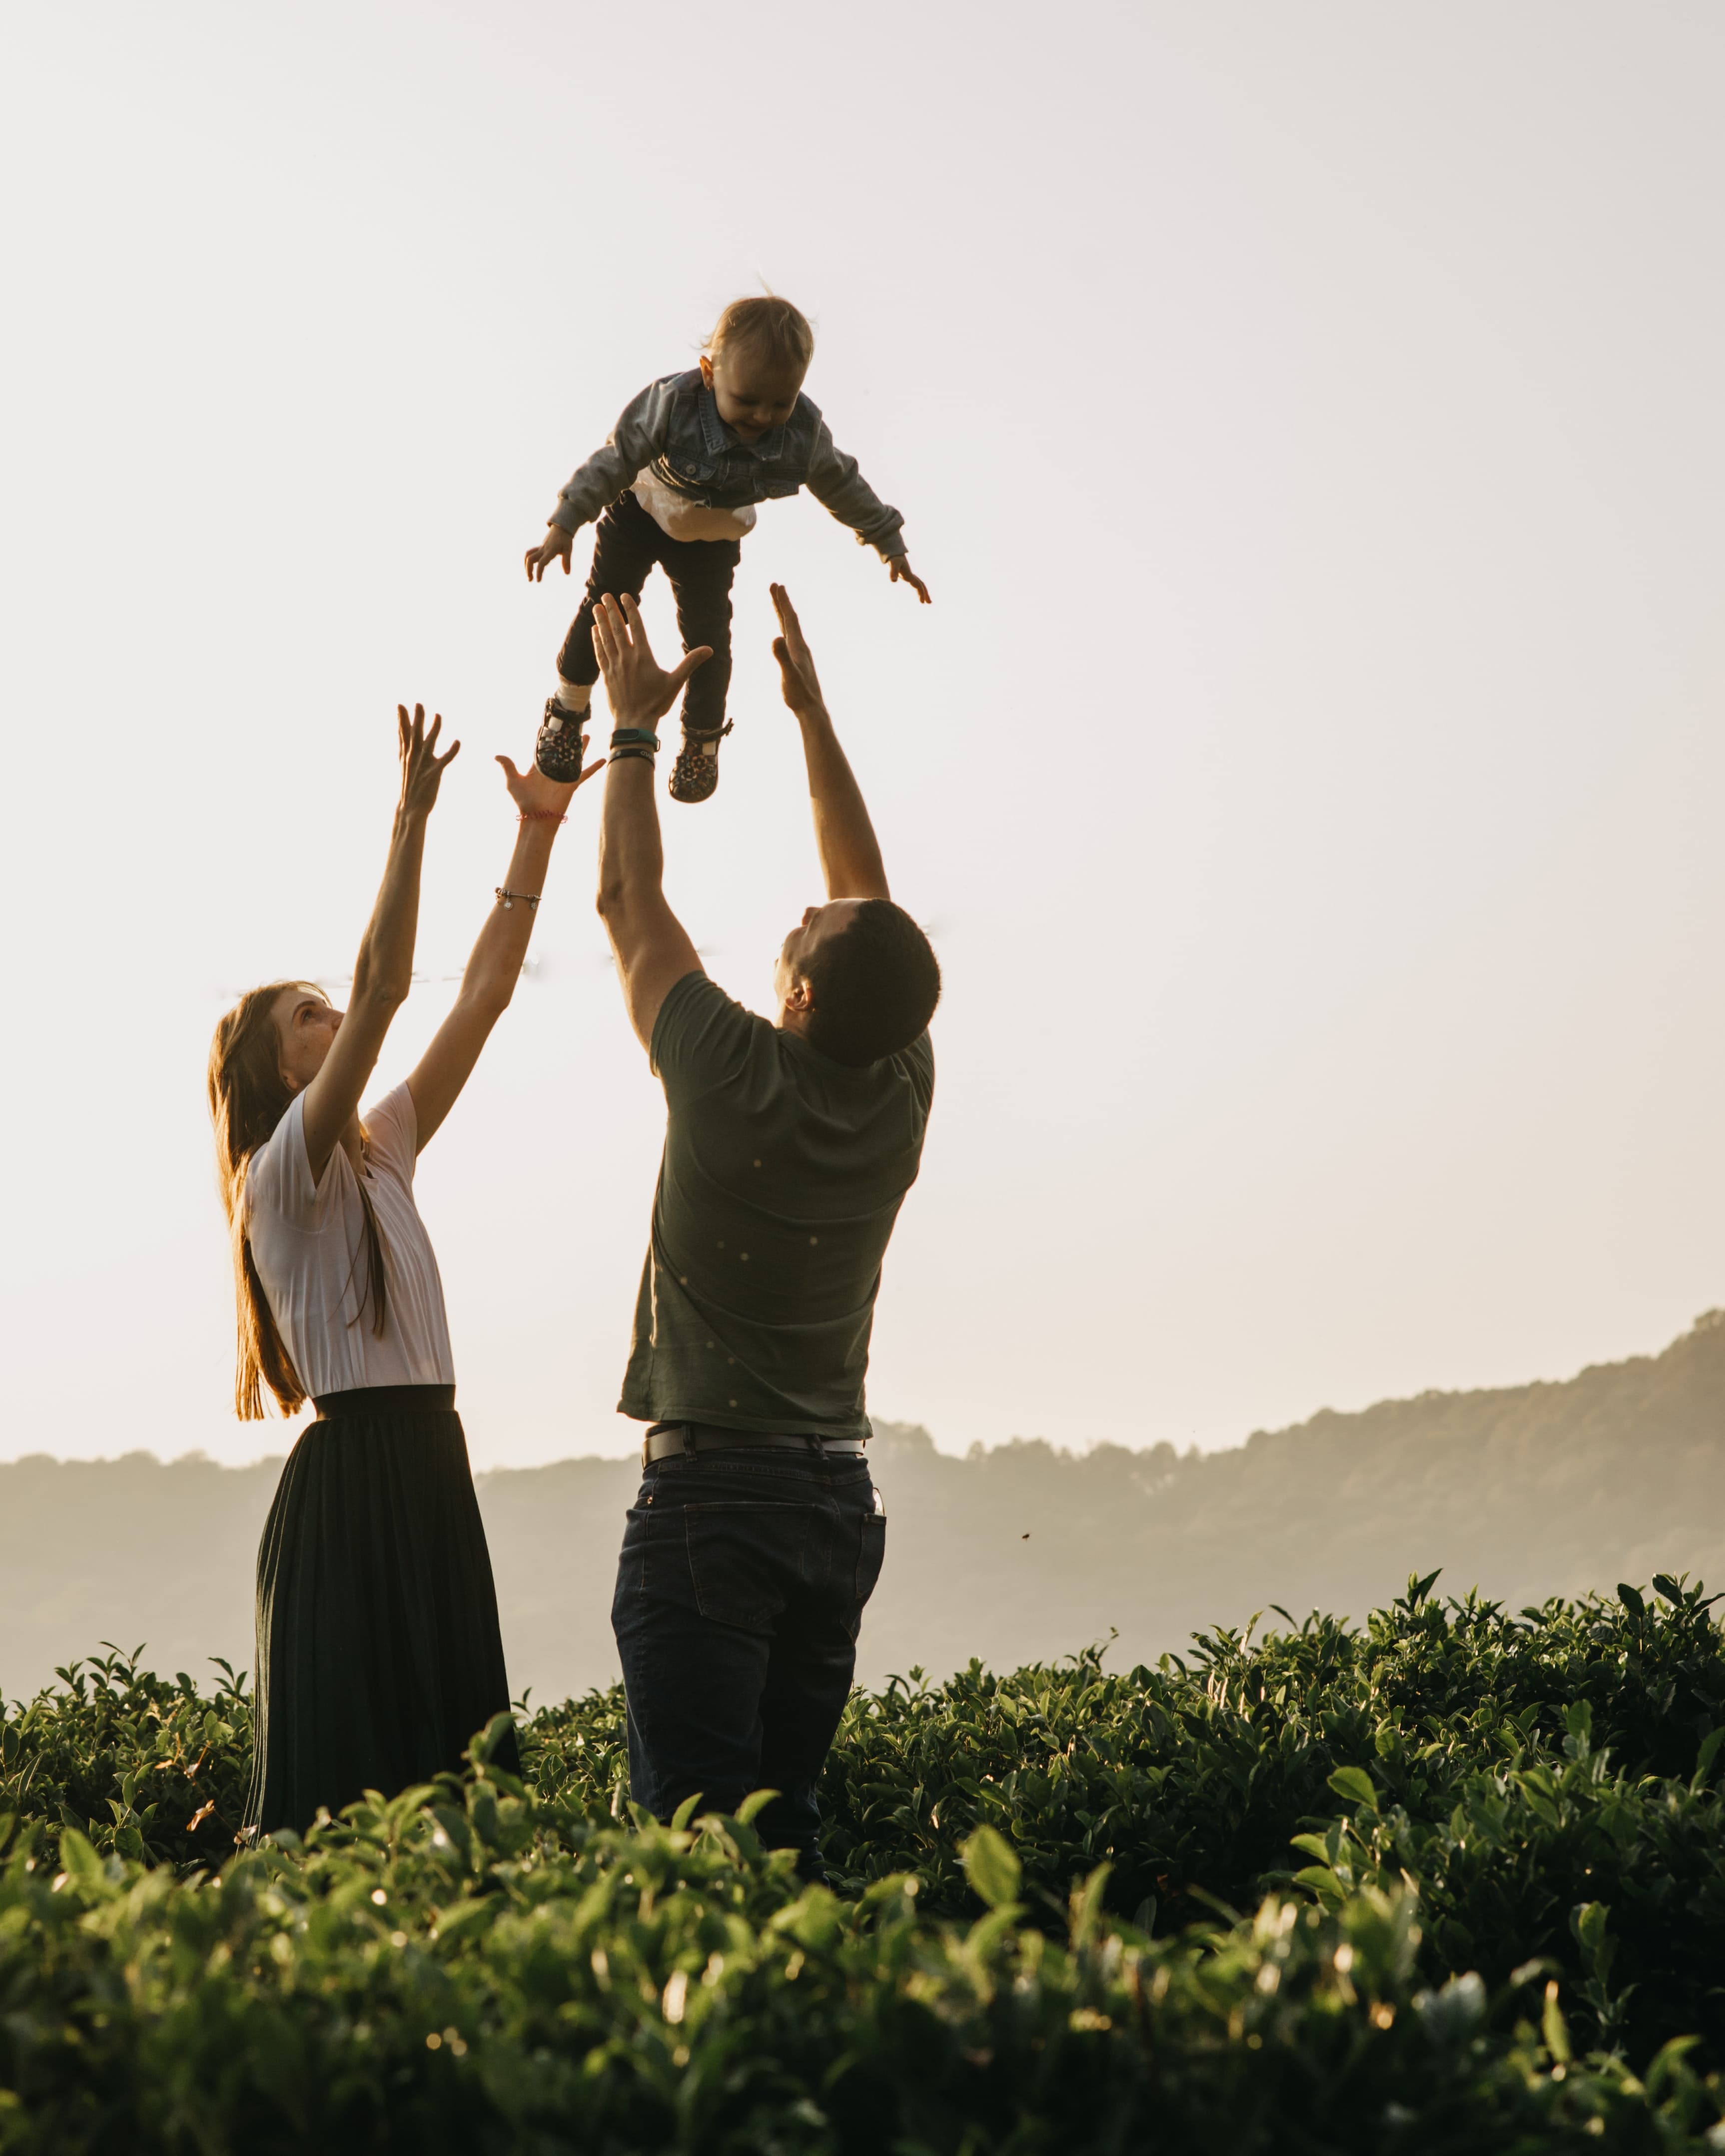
(1480, 1853)
(147, 1769)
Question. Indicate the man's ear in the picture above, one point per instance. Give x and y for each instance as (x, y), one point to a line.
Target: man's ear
(801, 996)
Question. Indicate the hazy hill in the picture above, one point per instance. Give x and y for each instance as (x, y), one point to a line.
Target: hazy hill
(1012, 1554)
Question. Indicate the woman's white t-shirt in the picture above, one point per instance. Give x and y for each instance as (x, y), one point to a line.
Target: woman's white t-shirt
(308, 1244)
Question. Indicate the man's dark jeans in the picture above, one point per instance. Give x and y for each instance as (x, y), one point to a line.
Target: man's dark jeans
(739, 1594)
(627, 543)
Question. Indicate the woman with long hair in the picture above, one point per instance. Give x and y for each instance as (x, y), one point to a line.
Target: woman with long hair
(378, 1649)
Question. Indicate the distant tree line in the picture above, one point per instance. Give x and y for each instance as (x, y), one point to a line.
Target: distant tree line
(1015, 1553)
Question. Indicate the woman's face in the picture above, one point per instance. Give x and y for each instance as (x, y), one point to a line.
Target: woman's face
(305, 1024)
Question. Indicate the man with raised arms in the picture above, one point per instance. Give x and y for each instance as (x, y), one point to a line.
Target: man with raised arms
(757, 1535)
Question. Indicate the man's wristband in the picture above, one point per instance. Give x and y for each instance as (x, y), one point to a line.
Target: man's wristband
(631, 736)
(623, 755)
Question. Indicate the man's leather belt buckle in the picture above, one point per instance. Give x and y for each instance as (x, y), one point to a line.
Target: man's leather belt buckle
(668, 1441)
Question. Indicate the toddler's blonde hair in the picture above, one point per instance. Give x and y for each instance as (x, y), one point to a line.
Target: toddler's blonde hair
(769, 326)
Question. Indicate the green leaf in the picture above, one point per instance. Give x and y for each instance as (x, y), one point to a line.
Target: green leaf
(1630, 1599)
(1664, 1584)
(465, 1915)
(992, 1866)
(1087, 1907)
(755, 1803)
(1323, 1884)
(1703, 1761)
(81, 1863)
(1553, 2027)
(1668, 2063)
(1355, 1785)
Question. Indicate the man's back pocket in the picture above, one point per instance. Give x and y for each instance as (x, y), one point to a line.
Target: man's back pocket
(747, 1560)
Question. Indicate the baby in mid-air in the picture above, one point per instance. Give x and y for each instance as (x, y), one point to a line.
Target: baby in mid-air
(677, 483)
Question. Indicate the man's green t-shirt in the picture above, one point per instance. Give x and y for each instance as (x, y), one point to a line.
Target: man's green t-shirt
(783, 1175)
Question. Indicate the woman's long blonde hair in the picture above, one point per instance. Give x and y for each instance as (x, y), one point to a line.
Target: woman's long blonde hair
(247, 1098)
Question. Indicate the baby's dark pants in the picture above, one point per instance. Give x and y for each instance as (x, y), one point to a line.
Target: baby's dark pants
(626, 544)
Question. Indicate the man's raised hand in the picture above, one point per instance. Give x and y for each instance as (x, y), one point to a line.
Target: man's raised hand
(553, 546)
(796, 662)
(636, 687)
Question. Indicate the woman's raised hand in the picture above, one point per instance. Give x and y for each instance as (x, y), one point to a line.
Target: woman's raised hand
(383, 971)
(536, 795)
(422, 768)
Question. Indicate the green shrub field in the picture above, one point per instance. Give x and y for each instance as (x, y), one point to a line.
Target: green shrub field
(1453, 1881)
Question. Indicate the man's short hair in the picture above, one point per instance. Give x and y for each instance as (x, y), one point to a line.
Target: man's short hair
(875, 986)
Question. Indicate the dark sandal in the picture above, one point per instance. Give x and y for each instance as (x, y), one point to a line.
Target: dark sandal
(563, 740)
(694, 776)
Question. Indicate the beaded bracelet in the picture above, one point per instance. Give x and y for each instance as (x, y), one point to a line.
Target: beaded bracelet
(528, 898)
(541, 816)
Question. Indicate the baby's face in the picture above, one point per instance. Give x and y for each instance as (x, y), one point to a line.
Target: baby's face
(754, 395)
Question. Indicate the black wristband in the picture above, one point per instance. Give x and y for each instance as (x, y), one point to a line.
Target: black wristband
(620, 755)
(629, 737)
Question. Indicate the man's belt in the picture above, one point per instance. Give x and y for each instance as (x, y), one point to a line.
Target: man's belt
(666, 1440)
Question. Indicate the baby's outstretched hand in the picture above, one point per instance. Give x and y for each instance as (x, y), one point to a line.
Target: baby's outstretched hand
(555, 543)
(899, 566)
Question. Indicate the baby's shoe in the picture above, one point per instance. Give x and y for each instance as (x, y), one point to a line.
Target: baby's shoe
(694, 775)
(562, 741)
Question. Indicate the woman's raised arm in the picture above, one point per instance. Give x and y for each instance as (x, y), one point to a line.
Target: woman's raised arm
(496, 965)
(383, 971)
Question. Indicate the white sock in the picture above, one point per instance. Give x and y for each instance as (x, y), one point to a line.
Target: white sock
(573, 695)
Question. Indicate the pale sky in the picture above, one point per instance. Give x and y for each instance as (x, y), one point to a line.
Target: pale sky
(1308, 419)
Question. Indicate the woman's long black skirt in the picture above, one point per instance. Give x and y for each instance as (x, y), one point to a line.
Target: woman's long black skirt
(379, 1654)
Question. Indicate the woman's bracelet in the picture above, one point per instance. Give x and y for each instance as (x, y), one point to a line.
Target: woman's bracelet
(528, 898)
(541, 816)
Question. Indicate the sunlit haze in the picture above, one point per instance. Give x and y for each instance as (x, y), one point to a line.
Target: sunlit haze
(1308, 421)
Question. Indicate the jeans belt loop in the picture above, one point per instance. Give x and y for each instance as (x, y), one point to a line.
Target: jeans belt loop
(689, 1445)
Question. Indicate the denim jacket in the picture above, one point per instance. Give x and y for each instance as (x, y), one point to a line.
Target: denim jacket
(674, 426)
